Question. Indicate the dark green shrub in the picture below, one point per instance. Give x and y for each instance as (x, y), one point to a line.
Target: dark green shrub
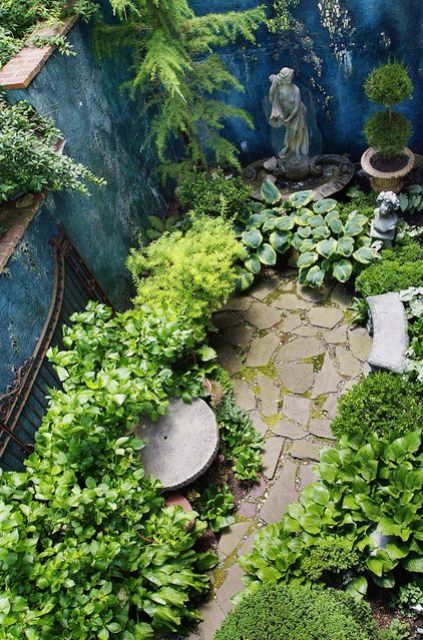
(388, 133)
(389, 84)
(297, 613)
(331, 555)
(382, 403)
(214, 194)
(400, 268)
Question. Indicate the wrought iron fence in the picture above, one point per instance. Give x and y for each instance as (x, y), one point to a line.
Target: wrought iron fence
(24, 405)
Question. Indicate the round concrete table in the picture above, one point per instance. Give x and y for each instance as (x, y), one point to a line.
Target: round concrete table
(181, 445)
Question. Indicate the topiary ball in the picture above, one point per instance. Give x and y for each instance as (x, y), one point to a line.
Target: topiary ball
(389, 133)
(389, 84)
(298, 613)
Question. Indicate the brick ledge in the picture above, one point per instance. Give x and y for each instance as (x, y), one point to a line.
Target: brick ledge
(21, 212)
(25, 65)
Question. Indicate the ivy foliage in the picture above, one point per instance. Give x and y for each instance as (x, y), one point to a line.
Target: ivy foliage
(175, 65)
(87, 549)
(28, 160)
(368, 494)
(191, 274)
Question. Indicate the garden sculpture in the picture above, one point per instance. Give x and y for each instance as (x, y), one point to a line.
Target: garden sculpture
(385, 220)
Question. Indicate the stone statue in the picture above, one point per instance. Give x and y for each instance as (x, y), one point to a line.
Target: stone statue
(385, 220)
(288, 111)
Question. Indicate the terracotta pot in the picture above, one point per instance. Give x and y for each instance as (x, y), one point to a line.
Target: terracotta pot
(386, 180)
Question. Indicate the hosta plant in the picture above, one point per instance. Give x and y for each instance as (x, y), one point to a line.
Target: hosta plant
(370, 495)
(216, 504)
(329, 246)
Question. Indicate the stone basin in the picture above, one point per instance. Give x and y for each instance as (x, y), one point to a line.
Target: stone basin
(181, 445)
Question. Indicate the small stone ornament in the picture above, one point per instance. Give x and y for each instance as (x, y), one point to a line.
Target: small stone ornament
(384, 223)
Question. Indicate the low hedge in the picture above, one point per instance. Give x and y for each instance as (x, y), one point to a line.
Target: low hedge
(399, 268)
(384, 404)
(298, 613)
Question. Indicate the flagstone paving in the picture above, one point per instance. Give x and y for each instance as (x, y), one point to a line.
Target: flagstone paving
(291, 355)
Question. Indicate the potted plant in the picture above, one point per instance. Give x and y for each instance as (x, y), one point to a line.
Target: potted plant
(31, 155)
(389, 159)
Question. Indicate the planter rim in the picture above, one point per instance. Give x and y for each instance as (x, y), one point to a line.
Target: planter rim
(369, 169)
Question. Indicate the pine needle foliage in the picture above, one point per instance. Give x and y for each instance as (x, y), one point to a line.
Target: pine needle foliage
(175, 65)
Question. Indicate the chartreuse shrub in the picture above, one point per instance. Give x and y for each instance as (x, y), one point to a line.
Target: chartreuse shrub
(329, 247)
(370, 495)
(28, 161)
(298, 613)
(384, 404)
(191, 274)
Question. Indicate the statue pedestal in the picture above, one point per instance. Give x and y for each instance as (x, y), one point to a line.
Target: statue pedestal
(385, 236)
(291, 169)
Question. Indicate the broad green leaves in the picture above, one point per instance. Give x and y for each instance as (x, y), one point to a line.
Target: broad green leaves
(342, 270)
(252, 238)
(270, 193)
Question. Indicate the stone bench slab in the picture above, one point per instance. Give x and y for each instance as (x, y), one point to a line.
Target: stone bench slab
(390, 337)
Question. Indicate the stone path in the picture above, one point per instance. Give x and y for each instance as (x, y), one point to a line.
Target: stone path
(291, 355)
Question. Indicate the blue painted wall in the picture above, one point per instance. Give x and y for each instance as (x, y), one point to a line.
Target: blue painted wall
(105, 132)
(381, 28)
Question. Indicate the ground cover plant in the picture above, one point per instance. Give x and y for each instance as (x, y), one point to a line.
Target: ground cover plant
(298, 613)
(87, 548)
(28, 158)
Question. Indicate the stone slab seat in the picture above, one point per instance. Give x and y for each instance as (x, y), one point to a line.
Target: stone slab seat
(390, 336)
(181, 445)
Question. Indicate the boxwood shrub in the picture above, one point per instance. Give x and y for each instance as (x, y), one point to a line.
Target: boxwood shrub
(298, 613)
(383, 403)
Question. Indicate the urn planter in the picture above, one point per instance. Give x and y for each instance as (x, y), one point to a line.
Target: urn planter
(386, 180)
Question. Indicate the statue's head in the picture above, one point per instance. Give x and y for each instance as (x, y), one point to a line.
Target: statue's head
(286, 74)
(388, 202)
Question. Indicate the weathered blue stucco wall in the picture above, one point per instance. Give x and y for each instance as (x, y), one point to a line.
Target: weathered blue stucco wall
(380, 29)
(105, 132)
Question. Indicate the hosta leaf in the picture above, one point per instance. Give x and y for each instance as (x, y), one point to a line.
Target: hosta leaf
(325, 205)
(267, 255)
(307, 259)
(270, 193)
(307, 245)
(326, 248)
(317, 221)
(358, 586)
(280, 241)
(353, 228)
(301, 198)
(358, 217)
(252, 238)
(257, 219)
(253, 264)
(315, 276)
(342, 270)
(415, 565)
(385, 582)
(269, 225)
(284, 223)
(296, 241)
(245, 280)
(375, 565)
(345, 246)
(304, 232)
(319, 233)
(401, 447)
(335, 225)
(364, 255)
